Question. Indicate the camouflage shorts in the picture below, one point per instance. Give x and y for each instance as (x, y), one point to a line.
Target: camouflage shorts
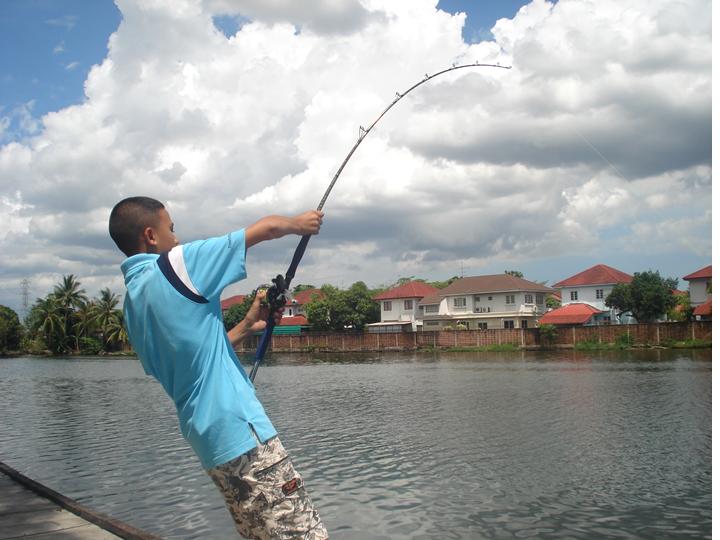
(266, 496)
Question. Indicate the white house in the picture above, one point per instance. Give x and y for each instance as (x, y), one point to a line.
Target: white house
(399, 309)
(700, 285)
(485, 302)
(296, 305)
(592, 287)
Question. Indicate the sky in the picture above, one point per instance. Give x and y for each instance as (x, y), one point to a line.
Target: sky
(594, 148)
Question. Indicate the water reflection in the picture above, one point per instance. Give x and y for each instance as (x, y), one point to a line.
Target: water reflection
(462, 445)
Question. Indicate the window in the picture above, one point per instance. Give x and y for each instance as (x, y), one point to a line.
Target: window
(523, 324)
(509, 324)
(408, 305)
(573, 295)
(528, 298)
(387, 305)
(539, 300)
(490, 298)
(435, 308)
(599, 293)
(482, 326)
(510, 299)
(459, 302)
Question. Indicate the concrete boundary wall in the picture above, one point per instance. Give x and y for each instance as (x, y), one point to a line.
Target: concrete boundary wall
(651, 334)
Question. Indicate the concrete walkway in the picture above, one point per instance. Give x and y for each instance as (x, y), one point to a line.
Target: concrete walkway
(30, 510)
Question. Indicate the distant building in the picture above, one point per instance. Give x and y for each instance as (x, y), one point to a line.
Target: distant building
(231, 301)
(485, 302)
(592, 287)
(700, 285)
(296, 305)
(399, 307)
(576, 314)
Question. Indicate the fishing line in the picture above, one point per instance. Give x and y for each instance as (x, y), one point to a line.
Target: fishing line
(277, 293)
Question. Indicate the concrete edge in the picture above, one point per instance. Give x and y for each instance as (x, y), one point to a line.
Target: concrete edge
(117, 527)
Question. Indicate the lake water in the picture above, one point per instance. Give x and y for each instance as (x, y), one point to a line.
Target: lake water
(422, 446)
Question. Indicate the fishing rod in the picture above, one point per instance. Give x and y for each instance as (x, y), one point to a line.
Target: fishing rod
(277, 293)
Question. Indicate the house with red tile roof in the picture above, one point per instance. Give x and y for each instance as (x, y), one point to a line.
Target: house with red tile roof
(485, 302)
(231, 301)
(399, 307)
(295, 306)
(700, 285)
(591, 287)
(576, 314)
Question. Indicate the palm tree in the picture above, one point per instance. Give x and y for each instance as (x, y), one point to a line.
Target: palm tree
(85, 324)
(70, 297)
(105, 314)
(116, 332)
(46, 317)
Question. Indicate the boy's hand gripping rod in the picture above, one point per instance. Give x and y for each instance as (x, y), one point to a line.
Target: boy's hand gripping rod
(277, 293)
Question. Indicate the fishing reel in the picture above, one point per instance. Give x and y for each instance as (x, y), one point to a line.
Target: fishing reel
(276, 295)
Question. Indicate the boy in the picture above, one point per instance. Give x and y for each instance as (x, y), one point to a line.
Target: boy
(173, 318)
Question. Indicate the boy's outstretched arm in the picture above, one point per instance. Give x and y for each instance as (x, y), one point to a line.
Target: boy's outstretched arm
(271, 227)
(254, 321)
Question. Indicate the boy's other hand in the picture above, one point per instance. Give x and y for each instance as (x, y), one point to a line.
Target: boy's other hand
(309, 222)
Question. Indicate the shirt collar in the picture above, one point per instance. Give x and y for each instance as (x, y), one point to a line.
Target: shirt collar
(133, 264)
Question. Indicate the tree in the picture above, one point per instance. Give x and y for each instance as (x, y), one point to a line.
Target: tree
(10, 330)
(46, 318)
(443, 284)
(516, 273)
(648, 296)
(683, 310)
(106, 315)
(85, 325)
(237, 313)
(551, 302)
(69, 296)
(342, 310)
(300, 287)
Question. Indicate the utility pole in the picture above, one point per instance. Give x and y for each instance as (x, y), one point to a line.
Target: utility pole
(25, 294)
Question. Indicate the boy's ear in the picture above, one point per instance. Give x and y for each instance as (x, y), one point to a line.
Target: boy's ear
(149, 237)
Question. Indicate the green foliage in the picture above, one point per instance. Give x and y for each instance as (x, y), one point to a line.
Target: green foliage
(11, 331)
(683, 310)
(689, 344)
(548, 333)
(300, 287)
(443, 284)
(648, 296)
(340, 310)
(90, 345)
(65, 321)
(237, 313)
(624, 341)
(551, 302)
(505, 347)
(516, 273)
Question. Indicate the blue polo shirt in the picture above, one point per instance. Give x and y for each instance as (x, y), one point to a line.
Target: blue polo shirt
(174, 322)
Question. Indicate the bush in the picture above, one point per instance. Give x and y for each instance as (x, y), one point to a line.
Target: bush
(548, 333)
(90, 345)
(624, 341)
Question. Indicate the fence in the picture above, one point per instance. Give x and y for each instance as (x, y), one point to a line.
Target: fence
(652, 334)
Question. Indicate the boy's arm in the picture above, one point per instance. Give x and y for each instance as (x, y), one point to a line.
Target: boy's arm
(254, 321)
(271, 227)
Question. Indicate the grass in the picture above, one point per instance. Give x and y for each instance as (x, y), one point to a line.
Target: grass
(487, 348)
(689, 344)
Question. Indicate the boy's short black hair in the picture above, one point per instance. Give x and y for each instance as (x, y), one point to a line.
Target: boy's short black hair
(129, 219)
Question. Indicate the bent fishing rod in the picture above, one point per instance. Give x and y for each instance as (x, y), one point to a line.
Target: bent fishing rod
(278, 293)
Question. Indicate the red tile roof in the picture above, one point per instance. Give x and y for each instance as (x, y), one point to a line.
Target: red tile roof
(296, 320)
(492, 283)
(704, 309)
(412, 289)
(303, 297)
(569, 314)
(233, 300)
(600, 274)
(702, 273)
